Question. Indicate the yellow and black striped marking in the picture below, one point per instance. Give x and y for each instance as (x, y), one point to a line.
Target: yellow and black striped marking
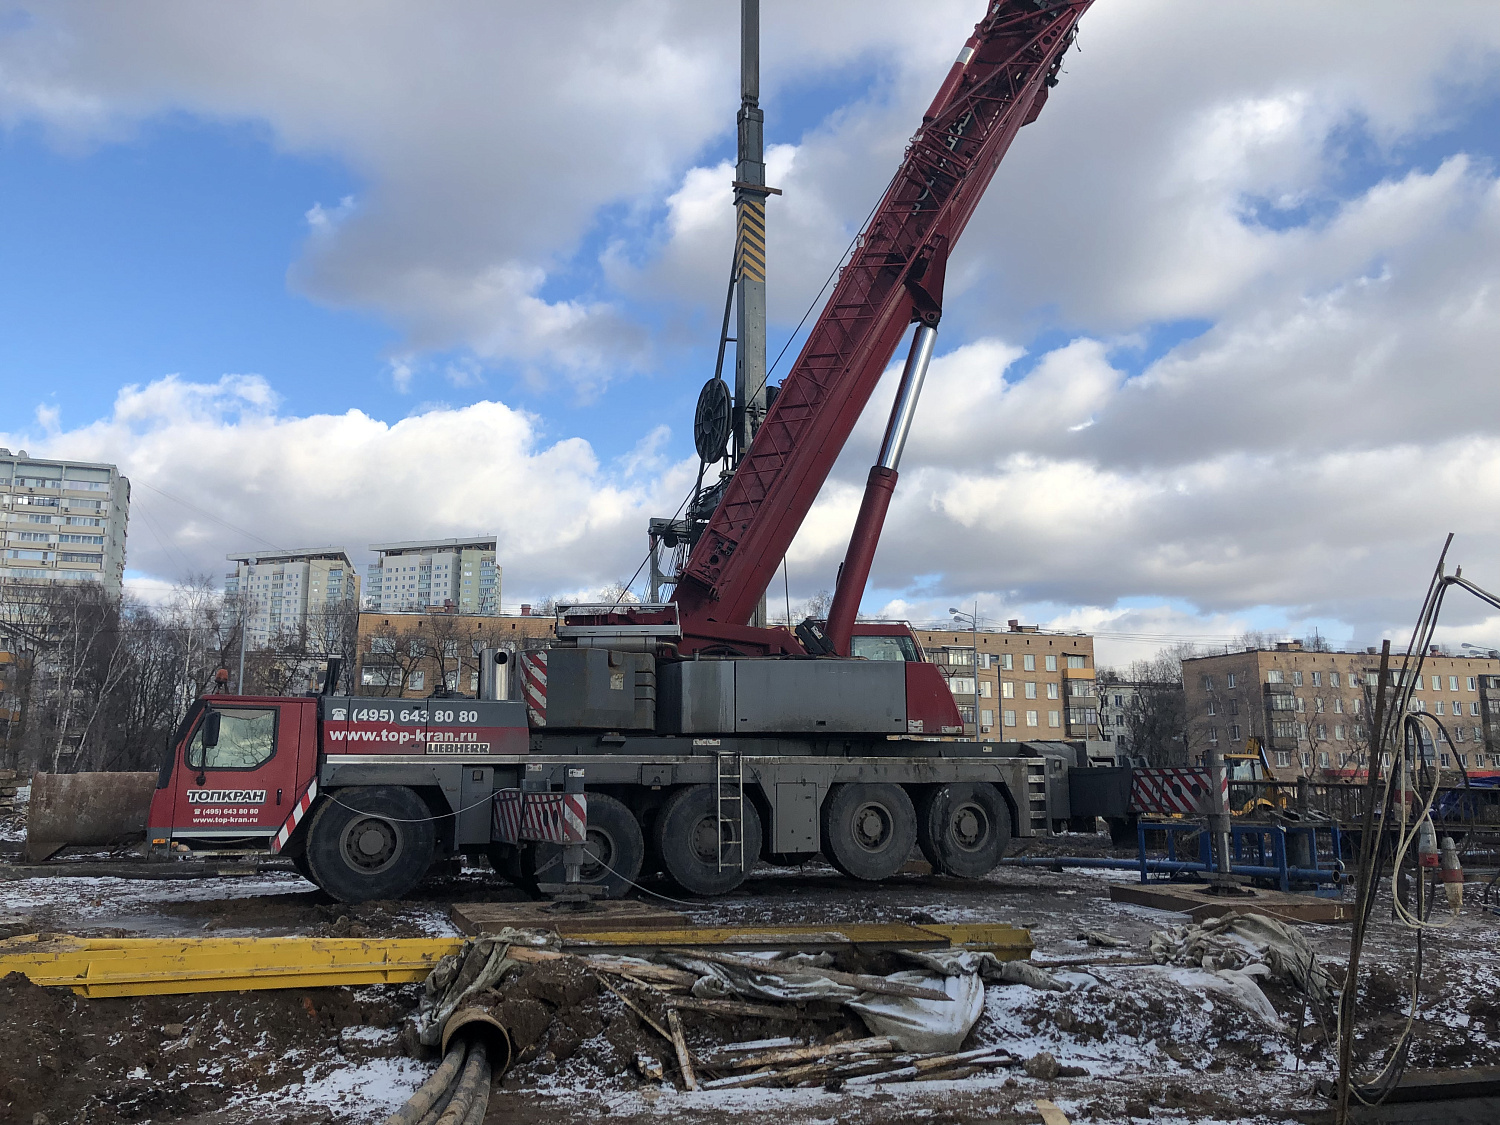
(750, 244)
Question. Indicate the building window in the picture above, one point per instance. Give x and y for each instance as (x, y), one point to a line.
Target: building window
(1082, 716)
(1281, 701)
(1301, 732)
(1418, 705)
(1283, 730)
(1458, 734)
(1317, 679)
(1296, 679)
(1119, 701)
(450, 650)
(966, 714)
(1283, 758)
(1300, 706)
(987, 719)
(417, 681)
(1028, 663)
(1437, 683)
(1213, 735)
(1338, 706)
(987, 689)
(1009, 717)
(383, 644)
(1446, 760)
(1372, 679)
(1474, 706)
(1007, 689)
(1051, 663)
(1322, 732)
(1053, 692)
(1234, 706)
(417, 648)
(1054, 718)
(985, 660)
(1471, 683)
(1274, 676)
(1452, 683)
(1031, 718)
(1318, 704)
(1208, 683)
(1213, 708)
(1006, 661)
(1323, 758)
(1234, 732)
(1354, 706)
(1338, 732)
(1333, 679)
(1030, 689)
(1437, 707)
(1306, 761)
(1076, 662)
(1104, 718)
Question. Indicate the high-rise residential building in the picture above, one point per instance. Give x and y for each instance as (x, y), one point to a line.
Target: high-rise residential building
(62, 521)
(456, 575)
(1020, 685)
(1312, 710)
(286, 591)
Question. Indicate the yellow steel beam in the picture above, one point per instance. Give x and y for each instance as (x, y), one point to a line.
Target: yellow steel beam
(157, 966)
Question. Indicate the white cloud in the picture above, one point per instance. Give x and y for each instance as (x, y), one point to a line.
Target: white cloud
(207, 459)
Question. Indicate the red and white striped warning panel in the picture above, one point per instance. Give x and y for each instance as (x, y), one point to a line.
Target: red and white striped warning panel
(534, 686)
(1172, 790)
(299, 810)
(554, 818)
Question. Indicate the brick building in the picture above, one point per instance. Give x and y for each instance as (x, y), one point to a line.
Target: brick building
(1020, 685)
(411, 655)
(1312, 709)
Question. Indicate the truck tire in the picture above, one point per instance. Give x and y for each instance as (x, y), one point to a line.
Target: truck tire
(868, 829)
(687, 838)
(370, 842)
(963, 828)
(616, 850)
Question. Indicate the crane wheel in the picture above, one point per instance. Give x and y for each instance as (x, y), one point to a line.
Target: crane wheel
(370, 842)
(963, 828)
(868, 829)
(615, 851)
(702, 854)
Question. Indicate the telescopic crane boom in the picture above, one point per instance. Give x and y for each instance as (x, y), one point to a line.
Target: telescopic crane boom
(998, 83)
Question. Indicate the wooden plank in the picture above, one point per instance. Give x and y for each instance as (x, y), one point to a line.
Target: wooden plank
(625, 914)
(750, 1011)
(679, 1042)
(872, 936)
(1051, 1115)
(1196, 902)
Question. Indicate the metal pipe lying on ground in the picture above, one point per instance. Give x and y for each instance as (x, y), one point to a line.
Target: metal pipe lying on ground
(473, 1084)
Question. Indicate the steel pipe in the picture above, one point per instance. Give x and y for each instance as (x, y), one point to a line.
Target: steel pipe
(1296, 874)
(904, 409)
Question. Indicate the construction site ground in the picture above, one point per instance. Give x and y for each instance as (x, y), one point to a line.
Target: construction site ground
(1146, 1042)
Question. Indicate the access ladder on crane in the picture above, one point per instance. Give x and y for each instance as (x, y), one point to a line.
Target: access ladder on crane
(729, 788)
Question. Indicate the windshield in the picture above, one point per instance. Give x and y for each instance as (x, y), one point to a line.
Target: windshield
(883, 648)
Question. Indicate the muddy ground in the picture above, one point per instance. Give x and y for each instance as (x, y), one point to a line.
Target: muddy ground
(1153, 1043)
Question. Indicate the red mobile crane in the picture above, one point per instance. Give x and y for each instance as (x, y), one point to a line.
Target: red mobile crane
(695, 742)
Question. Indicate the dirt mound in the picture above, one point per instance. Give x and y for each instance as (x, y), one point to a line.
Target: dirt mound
(103, 1061)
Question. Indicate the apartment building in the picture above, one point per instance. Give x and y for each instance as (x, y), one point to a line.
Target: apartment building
(460, 575)
(1019, 685)
(1312, 709)
(62, 521)
(411, 655)
(287, 592)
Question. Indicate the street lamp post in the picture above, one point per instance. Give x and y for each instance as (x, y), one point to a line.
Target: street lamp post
(973, 618)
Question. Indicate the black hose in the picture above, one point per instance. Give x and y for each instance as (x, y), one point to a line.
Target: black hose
(429, 1093)
(475, 1077)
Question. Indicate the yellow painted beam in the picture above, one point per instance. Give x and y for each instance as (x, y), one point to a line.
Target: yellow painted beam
(160, 966)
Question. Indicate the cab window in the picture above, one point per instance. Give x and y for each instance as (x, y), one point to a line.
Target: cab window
(246, 739)
(883, 648)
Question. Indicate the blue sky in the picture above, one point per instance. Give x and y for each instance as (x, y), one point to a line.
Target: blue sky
(1202, 333)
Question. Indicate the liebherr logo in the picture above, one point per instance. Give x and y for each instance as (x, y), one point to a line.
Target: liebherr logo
(226, 796)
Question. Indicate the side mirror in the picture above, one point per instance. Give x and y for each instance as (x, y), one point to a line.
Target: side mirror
(211, 726)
